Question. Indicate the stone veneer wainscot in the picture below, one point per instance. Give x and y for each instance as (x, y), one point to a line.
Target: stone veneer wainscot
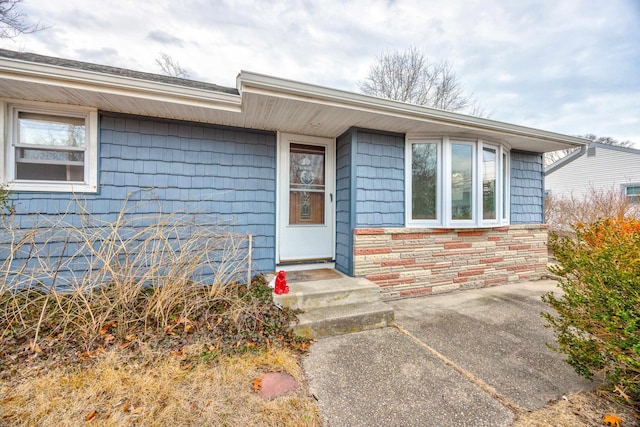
(407, 262)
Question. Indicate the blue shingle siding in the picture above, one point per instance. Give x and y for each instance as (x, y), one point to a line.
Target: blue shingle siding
(344, 224)
(527, 188)
(369, 186)
(379, 179)
(227, 173)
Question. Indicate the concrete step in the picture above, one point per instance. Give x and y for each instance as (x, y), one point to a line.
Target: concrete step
(324, 293)
(343, 319)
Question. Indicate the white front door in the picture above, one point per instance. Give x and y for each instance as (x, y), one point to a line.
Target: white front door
(306, 194)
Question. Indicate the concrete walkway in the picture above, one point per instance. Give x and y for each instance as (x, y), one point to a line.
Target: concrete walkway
(471, 358)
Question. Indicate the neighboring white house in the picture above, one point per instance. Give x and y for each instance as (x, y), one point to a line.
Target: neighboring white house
(598, 166)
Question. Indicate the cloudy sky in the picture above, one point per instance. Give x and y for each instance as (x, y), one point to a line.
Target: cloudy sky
(569, 66)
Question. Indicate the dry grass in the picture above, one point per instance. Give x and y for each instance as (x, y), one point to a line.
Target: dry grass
(578, 410)
(155, 390)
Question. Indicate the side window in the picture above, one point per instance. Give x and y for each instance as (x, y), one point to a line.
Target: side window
(632, 192)
(462, 181)
(425, 181)
(51, 149)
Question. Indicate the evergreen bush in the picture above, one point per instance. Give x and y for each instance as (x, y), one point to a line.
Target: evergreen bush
(597, 318)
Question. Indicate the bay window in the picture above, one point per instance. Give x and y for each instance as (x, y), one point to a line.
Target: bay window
(456, 182)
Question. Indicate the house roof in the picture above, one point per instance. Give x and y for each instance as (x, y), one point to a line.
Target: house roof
(582, 151)
(105, 69)
(258, 101)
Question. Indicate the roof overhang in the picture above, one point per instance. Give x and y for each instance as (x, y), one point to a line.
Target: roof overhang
(317, 110)
(263, 102)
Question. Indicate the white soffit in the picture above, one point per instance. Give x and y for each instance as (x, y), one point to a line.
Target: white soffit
(393, 116)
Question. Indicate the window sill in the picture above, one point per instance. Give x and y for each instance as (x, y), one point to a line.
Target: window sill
(52, 188)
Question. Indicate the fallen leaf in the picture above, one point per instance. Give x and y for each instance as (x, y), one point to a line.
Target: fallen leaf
(106, 327)
(178, 353)
(257, 384)
(612, 421)
(35, 347)
(126, 406)
(91, 415)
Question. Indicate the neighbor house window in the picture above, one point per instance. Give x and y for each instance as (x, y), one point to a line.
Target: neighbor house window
(51, 149)
(632, 192)
(456, 183)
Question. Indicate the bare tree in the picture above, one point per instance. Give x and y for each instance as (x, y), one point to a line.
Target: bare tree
(171, 67)
(13, 21)
(554, 156)
(410, 77)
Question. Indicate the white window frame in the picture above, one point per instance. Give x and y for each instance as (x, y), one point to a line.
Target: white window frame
(631, 197)
(444, 196)
(505, 173)
(449, 222)
(9, 124)
(498, 187)
(409, 183)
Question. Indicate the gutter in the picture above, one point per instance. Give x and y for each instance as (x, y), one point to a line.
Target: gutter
(566, 159)
(93, 81)
(263, 84)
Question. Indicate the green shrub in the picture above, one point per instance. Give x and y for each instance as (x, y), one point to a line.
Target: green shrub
(6, 208)
(597, 319)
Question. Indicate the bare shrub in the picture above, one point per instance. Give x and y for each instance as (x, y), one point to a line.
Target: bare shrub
(77, 273)
(563, 211)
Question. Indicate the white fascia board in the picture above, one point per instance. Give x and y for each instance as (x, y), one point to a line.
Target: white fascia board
(118, 85)
(259, 83)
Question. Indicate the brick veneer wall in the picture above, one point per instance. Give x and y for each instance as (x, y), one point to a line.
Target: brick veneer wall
(407, 262)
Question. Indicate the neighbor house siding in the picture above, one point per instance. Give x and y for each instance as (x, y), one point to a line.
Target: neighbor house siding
(527, 188)
(226, 173)
(380, 179)
(608, 169)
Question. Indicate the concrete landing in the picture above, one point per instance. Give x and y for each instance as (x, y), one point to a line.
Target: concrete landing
(335, 306)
